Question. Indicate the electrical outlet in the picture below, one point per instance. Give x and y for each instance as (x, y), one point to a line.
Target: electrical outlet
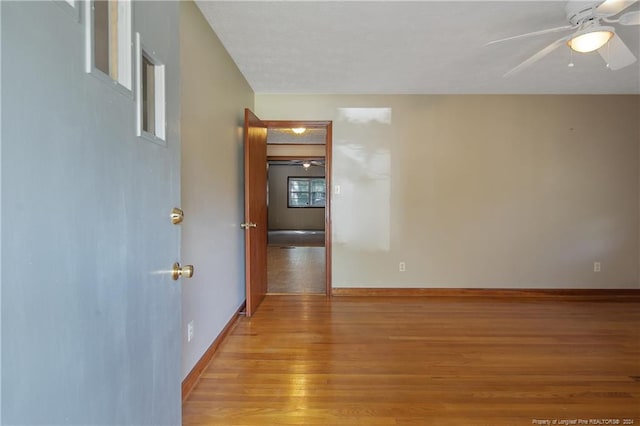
(402, 267)
(596, 266)
(190, 331)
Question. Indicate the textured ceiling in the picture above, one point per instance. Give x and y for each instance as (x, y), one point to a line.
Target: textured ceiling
(415, 47)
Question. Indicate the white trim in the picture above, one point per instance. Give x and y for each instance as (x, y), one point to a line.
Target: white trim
(88, 36)
(124, 43)
(138, 82)
(160, 101)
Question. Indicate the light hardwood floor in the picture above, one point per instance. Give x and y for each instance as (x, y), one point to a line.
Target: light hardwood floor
(312, 360)
(296, 270)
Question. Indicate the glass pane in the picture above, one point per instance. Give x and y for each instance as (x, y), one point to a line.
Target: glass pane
(101, 35)
(317, 185)
(299, 199)
(317, 199)
(299, 185)
(148, 96)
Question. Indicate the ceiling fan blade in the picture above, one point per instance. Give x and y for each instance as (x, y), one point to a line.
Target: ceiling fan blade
(535, 58)
(616, 53)
(535, 33)
(630, 18)
(613, 7)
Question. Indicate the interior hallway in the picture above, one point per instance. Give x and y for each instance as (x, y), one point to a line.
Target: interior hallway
(296, 262)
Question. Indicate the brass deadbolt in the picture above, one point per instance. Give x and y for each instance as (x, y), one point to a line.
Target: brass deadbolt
(177, 215)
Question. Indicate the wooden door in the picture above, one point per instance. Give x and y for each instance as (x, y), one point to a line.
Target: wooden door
(255, 209)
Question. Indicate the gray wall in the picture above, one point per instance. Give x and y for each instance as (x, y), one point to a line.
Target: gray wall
(214, 95)
(282, 217)
(480, 191)
(90, 318)
(1, 197)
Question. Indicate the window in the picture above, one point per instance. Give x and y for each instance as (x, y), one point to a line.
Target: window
(108, 43)
(148, 95)
(150, 98)
(306, 192)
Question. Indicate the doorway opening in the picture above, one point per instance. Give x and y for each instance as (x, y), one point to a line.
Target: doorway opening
(298, 207)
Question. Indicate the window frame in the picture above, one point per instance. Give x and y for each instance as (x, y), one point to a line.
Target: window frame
(310, 192)
(160, 90)
(90, 65)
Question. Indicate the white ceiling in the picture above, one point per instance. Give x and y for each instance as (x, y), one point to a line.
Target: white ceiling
(414, 47)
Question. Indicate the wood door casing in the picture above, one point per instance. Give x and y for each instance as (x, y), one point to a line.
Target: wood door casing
(255, 208)
(327, 208)
(328, 125)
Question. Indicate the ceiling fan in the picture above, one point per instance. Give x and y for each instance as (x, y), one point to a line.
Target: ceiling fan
(591, 23)
(308, 163)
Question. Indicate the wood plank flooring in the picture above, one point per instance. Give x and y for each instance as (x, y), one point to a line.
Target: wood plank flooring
(312, 360)
(296, 270)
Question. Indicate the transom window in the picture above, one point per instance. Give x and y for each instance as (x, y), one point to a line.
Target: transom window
(306, 192)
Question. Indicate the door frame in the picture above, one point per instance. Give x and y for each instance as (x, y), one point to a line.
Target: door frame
(328, 126)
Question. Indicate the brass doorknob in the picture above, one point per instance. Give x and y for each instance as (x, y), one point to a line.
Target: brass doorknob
(177, 215)
(181, 271)
(248, 225)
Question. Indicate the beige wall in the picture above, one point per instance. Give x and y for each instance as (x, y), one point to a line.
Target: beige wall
(480, 191)
(280, 215)
(214, 95)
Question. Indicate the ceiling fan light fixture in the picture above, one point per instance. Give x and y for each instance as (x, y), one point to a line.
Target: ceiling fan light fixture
(298, 130)
(591, 39)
